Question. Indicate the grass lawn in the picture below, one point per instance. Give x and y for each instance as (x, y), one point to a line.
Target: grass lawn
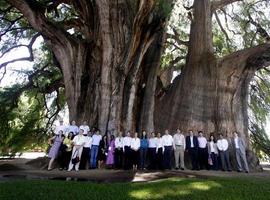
(173, 188)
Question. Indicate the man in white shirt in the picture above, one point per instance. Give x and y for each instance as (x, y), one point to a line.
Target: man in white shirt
(60, 127)
(202, 151)
(119, 150)
(179, 145)
(127, 151)
(135, 146)
(73, 128)
(78, 143)
(240, 151)
(86, 153)
(159, 152)
(152, 148)
(96, 138)
(85, 127)
(223, 145)
(167, 141)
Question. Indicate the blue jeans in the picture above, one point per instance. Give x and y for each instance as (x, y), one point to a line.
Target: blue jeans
(94, 152)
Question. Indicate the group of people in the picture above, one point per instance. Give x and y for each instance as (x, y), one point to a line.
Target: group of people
(78, 147)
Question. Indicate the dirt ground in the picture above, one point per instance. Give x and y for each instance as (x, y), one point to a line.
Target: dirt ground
(14, 169)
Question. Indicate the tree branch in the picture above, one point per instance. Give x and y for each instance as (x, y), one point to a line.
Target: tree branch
(218, 4)
(30, 50)
(255, 57)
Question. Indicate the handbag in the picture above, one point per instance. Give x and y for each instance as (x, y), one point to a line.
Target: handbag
(75, 159)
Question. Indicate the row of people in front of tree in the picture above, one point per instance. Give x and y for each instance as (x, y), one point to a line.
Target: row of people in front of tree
(132, 152)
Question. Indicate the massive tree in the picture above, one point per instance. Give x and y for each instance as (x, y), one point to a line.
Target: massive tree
(109, 56)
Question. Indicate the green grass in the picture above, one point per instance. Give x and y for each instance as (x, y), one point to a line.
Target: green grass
(173, 188)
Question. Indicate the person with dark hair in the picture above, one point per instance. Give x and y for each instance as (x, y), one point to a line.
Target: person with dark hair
(159, 152)
(66, 151)
(192, 149)
(56, 142)
(86, 153)
(102, 151)
(135, 147)
(202, 151)
(152, 149)
(127, 151)
(73, 128)
(111, 150)
(240, 152)
(179, 145)
(223, 146)
(119, 151)
(213, 152)
(78, 143)
(167, 141)
(96, 138)
(143, 150)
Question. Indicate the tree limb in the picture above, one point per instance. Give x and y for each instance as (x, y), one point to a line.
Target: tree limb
(218, 4)
(255, 57)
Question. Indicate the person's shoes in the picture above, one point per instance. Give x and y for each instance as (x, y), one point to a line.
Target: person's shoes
(76, 170)
(50, 169)
(229, 170)
(60, 169)
(182, 168)
(69, 170)
(177, 168)
(239, 170)
(247, 172)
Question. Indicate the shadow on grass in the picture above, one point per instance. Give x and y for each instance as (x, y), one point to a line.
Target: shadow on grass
(173, 188)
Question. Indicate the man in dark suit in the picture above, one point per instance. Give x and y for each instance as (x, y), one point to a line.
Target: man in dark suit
(192, 146)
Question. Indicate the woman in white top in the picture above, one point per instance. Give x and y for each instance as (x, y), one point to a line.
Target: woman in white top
(135, 146)
(152, 146)
(78, 143)
(159, 152)
(213, 152)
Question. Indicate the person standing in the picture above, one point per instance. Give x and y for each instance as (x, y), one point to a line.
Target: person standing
(192, 149)
(135, 147)
(86, 153)
(159, 152)
(66, 152)
(85, 127)
(213, 152)
(54, 150)
(143, 150)
(240, 151)
(78, 143)
(179, 145)
(152, 149)
(167, 141)
(96, 138)
(119, 151)
(73, 128)
(102, 151)
(60, 127)
(223, 145)
(127, 151)
(202, 151)
(111, 151)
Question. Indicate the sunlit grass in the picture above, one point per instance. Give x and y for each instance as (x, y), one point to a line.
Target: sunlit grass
(173, 188)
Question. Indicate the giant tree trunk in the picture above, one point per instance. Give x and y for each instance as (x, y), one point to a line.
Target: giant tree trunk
(210, 94)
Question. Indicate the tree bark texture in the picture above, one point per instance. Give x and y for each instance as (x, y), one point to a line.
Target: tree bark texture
(110, 71)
